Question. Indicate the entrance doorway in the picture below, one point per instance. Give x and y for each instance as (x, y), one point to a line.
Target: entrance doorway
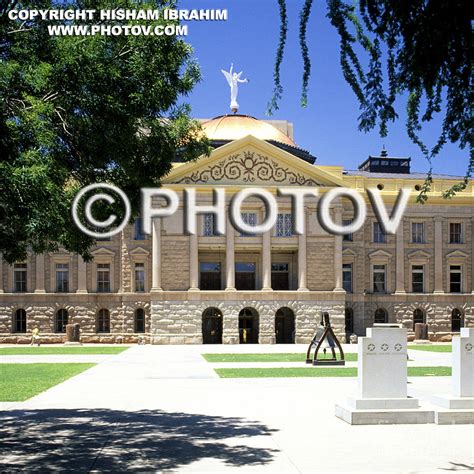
(212, 326)
(248, 326)
(285, 326)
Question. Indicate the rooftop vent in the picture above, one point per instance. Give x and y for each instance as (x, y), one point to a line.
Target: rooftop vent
(386, 164)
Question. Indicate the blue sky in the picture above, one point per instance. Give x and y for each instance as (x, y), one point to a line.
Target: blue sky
(328, 126)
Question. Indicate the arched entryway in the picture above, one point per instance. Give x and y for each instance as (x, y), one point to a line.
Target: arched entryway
(456, 320)
(419, 316)
(285, 326)
(380, 316)
(349, 321)
(248, 326)
(212, 326)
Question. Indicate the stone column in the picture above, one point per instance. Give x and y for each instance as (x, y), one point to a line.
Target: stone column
(1, 272)
(267, 261)
(338, 252)
(438, 257)
(193, 263)
(230, 257)
(156, 256)
(81, 275)
(400, 260)
(302, 263)
(39, 287)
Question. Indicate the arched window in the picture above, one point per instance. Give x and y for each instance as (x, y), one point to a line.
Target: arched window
(456, 320)
(103, 321)
(285, 326)
(248, 326)
(212, 326)
(61, 320)
(140, 320)
(380, 316)
(418, 317)
(349, 320)
(19, 320)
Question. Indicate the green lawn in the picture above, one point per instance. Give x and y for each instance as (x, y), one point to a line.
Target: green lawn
(62, 350)
(275, 357)
(18, 382)
(320, 372)
(430, 348)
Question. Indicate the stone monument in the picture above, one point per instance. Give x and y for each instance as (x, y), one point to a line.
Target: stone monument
(458, 407)
(73, 334)
(382, 382)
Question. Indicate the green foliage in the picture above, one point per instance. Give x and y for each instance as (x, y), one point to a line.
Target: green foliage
(62, 350)
(22, 381)
(427, 56)
(80, 110)
(270, 357)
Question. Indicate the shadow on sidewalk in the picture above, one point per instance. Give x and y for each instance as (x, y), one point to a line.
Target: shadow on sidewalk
(113, 440)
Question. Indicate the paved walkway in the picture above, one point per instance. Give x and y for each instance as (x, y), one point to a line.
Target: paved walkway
(162, 408)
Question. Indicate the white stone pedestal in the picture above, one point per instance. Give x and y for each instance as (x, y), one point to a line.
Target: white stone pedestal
(382, 382)
(458, 407)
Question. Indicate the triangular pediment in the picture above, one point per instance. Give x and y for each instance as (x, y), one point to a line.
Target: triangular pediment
(457, 255)
(103, 252)
(250, 162)
(139, 252)
(419, 255)
(380, 255)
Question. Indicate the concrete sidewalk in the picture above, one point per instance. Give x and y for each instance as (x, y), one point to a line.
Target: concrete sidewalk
(162, 408)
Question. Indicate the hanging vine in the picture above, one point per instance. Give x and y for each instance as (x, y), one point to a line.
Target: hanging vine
(427, 56)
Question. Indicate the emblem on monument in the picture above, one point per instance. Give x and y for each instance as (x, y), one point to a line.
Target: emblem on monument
(233, 80)
(371, 347)
(398, 347)
(384, 347)
(468, 347)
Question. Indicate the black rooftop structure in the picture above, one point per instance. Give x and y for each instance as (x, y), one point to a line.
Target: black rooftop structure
(386, 164)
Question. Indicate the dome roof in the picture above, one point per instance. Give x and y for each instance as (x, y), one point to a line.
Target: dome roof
(234, 127)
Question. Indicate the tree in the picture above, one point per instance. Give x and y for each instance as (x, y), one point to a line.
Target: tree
(79, 110)
(425, 46)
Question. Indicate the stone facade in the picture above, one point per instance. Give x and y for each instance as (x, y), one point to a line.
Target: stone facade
(173, 303)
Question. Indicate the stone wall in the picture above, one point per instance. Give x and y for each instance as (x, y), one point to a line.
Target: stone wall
(175, 263)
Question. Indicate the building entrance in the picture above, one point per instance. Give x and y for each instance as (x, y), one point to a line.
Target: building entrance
(212, 326)
(248, 326)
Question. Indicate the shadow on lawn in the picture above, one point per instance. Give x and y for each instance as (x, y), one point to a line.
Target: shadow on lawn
(112, 440)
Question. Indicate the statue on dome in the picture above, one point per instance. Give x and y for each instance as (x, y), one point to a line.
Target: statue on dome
(233, 80)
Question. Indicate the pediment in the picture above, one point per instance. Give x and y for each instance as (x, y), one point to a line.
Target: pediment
(139, 252)
(457, 255)
(102, 252)
(419, 255)
(349, 253)
(380, 255)
(254, 162)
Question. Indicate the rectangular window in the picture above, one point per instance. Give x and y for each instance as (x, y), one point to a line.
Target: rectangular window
(455, 233)
(417, 279)
(455, 279)
(138, 229)
(62, 277)
(417, 233)
(210, 276)
(347, 237)
(19, 277)
(280, 276)
(209, 225)
(379, 236)
(380, 279)
(284, 225)
(139, 277)
(250, 218)
(103, 278)
(245, 275)
(347, 277)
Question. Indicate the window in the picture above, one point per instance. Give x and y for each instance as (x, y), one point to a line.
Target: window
(456, 320)
(349, 321)
(455, 233)
(19, 320)
(417, 232)
(347, 237)
(380, 316)
(140, 320)
(284, 225)
(245, 275)
(379, 276)
(61, 321)
(19, 277)
(417, 278)
(347, 277)
(210, 276)
(379, 236)
(139, 277)
(418, 317)
(103, 278)
(280, 276)
(62, 277)
(209, 225)
(103, 321)
(250, 218)
(455, 279)
(139, 235)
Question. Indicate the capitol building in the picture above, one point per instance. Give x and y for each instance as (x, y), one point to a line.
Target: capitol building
(173, 288)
